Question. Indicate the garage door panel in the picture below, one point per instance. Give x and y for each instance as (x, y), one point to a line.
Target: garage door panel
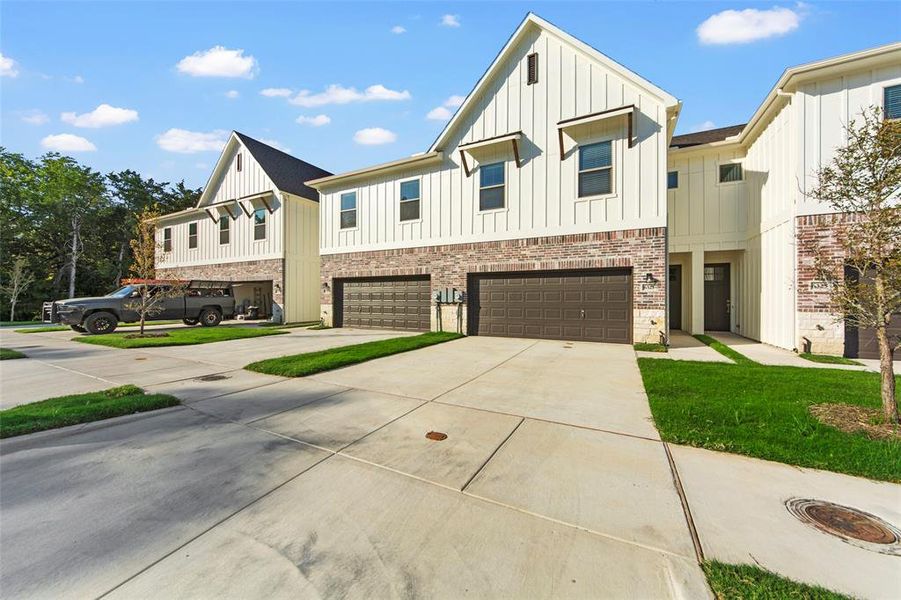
(591, 306)
(399, 303)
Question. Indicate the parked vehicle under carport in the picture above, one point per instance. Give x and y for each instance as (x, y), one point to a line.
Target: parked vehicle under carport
(203, 302)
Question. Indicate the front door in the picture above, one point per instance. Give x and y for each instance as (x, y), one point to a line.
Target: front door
(716, 297)
(675, 297)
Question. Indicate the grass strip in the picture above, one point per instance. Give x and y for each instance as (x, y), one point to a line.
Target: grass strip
(79, 408)
(289, 325)
(9, 354)
(748, 582)
(763, 411)
(14, 323)
(177, 337)
(829, 360)
(43, 329)
(647, 347)
(737, 357)
(308, 363)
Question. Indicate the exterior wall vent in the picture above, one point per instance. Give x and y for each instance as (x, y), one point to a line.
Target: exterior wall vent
(533, 68)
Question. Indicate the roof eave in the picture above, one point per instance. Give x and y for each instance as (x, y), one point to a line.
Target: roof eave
(418, 160)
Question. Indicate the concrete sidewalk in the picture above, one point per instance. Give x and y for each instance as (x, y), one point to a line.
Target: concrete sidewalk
(685, 347)
(771, 355)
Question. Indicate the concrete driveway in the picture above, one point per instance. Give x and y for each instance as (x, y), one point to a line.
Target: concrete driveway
(551, 481)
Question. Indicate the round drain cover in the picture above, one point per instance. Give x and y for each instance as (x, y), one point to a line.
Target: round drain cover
(851, 525)
(436, 436)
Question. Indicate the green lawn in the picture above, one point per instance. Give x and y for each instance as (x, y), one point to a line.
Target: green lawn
(301, 365)
(14, 323)
(829, 360)
(289, 325)
(747, 582)
(646, 347)
(178, 337)
(80, 408)
(725, 350)
(7, 354)
(43, 329)
(762, 411)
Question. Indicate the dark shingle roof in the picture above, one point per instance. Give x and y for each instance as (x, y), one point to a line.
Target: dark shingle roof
(705, 137)
(286, 172)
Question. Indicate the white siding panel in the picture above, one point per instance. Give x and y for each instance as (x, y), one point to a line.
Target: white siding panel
(541, 193)
(302, 260)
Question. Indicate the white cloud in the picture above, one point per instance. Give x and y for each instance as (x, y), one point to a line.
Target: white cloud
(317, 121)
(338, 94)
(705, 126)
(450, 20)
(183, 141)
(442, 113)
(8, 67)
(102, 116)
(454, 101)
(439, 113)
(398, 29)
(748, 25)
(35, 117)
(276, 92)
(218, 61)
(232, 94)
(77, 79)
(374, 136)
(66, 142)
(275, 144)
(202, 166)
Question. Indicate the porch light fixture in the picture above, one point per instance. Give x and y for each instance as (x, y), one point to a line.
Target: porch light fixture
(326, 288)
(649, 278)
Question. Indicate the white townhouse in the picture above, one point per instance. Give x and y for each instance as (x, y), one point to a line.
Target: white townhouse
(542, 204)
(740, 220)
(256, 224)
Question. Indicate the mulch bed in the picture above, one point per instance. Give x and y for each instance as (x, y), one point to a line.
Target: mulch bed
(138, 336)
(856, 419)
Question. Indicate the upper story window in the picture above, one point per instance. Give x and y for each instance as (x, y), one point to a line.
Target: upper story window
(672, 180)
(491, 186)
(259, 224)
(595, 169)
(239, 162)
(892, 102)
(532, 62)
(348, 210)
(409, 200)
(224, 229)
(167, 239)
(192, 235)
(730, 172)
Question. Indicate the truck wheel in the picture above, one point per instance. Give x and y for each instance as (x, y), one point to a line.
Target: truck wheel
(100, 322)
(78, 328)
(210, 317)
(189, 322)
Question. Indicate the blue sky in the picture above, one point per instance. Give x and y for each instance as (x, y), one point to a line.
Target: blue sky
(172, 78)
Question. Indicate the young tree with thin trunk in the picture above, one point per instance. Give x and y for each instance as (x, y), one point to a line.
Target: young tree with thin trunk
(20, 278)
(863, 182)
(150, 298)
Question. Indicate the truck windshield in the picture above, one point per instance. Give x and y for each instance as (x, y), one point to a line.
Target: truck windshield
(122, 292)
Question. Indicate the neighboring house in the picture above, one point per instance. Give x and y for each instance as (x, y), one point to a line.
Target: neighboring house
(256, 224)
(740, 222)
(543, 201)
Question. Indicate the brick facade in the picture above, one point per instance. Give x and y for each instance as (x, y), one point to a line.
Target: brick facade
(818, 322)
(250, 270)
(644, 250)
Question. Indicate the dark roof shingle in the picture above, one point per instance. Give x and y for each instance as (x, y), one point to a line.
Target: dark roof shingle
(286, 172)
(705, 137)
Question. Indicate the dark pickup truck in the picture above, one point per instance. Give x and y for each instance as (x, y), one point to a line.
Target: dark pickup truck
(204, 302)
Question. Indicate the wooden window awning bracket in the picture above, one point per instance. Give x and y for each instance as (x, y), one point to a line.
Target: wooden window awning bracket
(629, 111)
(500, 140)
(268, 206)
(210, 214)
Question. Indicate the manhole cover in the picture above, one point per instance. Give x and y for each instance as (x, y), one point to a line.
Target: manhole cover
(851, 525)
(212, 378)
(436, 436)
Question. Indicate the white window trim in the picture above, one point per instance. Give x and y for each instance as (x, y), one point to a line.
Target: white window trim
(730, 183)
(171, 245)
(399, 201)
(253, 225)
(356, 193)
(196, 236)
(614, 152)
(479, 189)
(219, 230)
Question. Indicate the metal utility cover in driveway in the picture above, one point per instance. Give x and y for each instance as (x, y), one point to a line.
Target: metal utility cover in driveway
(592, 306)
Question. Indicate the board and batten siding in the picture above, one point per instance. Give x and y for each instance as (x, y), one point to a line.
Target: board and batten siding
(541, 194)
(301, 259)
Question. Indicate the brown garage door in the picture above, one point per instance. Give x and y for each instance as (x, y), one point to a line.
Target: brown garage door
(862, 343)
(593, 306)
(395, 303)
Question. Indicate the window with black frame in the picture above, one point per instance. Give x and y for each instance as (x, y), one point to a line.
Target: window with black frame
(348, 210)
(595, 169)
(491, 186)
(409, 200)
(259, 224)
